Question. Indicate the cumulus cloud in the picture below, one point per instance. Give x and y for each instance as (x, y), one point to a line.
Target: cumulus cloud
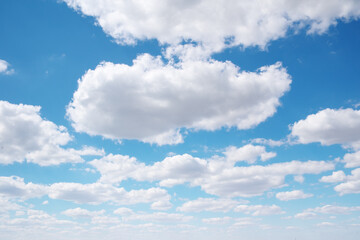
(351, 184)
(259, 210)
(151, 101)
(5, 67)
(352, 160)
(216, 23)
(217, 175)
(209, 204)
(248, 153)
(330, 126)
(292, 195)
(338, 176)
(15, 187)
(24, 134)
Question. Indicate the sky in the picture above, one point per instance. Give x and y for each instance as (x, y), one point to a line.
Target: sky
(181, 119)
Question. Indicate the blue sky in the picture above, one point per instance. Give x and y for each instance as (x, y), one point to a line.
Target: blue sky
(183, 119)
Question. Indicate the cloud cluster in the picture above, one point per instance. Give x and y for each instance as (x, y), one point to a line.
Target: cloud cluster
(216, 23)
(152, 100)
(93, 193)
(217, 175)
(24, 134)
(326, 209)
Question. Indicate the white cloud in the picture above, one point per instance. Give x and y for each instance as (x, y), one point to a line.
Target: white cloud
(114, 99)
(24, 134)
(352, 160)
(338, 176)
(217, 175)
(325, 224)
(269, 142)
(299, 178)
(351, 185)
(217, 220)
(209, 204)
(330, 126)
(292, 195)
(161, 205)
(248, 153)
(259, 210)
(15, 187)
(123, 211)
(97, 193)
(214, 23)
(305, 215)
(5, 67)
(82, 213)
(159, 217)
(327, 209)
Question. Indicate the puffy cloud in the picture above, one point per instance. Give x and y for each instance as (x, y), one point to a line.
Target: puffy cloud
(329, 126)
(24, 134)
(82, 213)
(5, 67)
(259, 210)
(15, 187)
(352, 160)
(151, 101)
(292, 195)
(351, 185)
(338, 176)
(217, 176)
(248, 153)
(214, 23)
(209, 204)
(97, 193)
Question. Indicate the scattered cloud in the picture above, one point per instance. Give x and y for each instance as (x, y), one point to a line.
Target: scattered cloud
(217, 175)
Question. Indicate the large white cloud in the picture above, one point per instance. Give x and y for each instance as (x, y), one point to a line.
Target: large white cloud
(330, 126)
(213, 23)
(24, 134)
(151, 100)
(217, 175)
